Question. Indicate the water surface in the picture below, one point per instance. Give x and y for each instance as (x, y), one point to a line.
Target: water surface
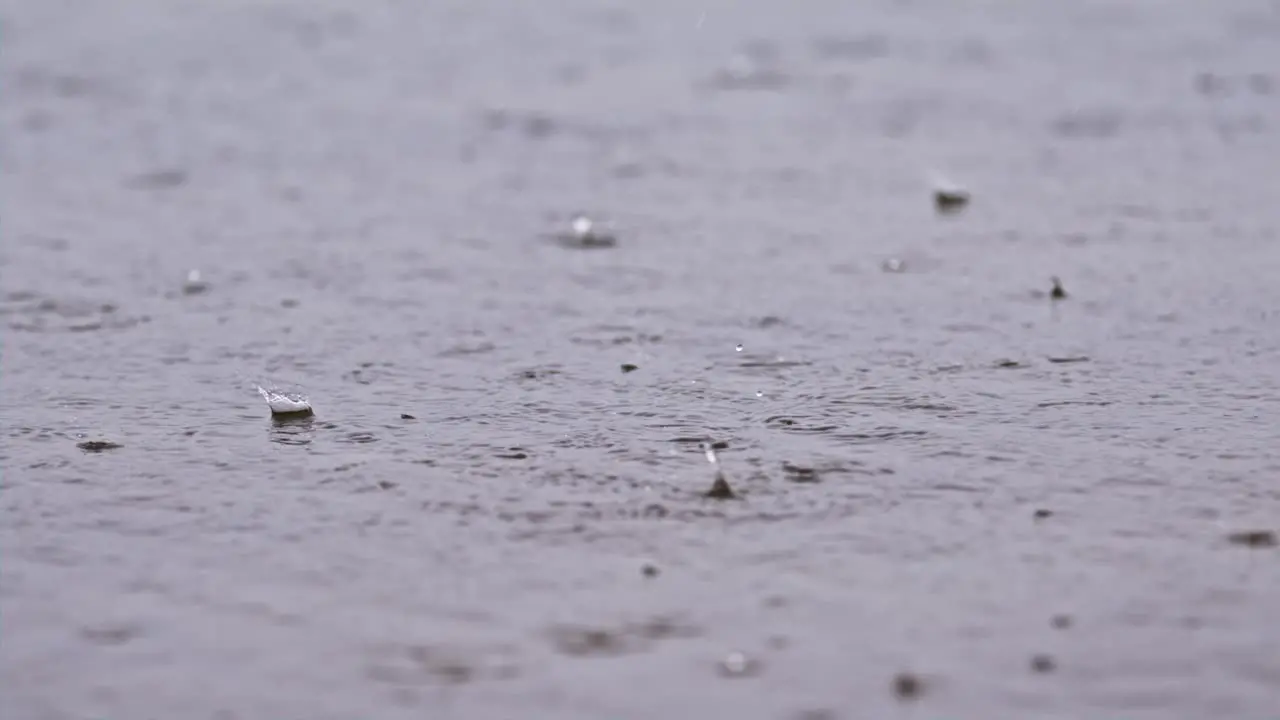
(940, 471)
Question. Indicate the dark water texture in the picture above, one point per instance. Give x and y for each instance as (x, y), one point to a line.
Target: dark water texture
(368, 191)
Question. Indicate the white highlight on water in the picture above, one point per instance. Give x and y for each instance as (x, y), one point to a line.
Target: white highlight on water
(735, 663)
(282, 404)
(711, 454)
(194, 283)
(582, 226)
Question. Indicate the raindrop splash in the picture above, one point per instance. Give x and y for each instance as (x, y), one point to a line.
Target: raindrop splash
(584, 233)
(194, 284)
(710, 452)
(285, 404)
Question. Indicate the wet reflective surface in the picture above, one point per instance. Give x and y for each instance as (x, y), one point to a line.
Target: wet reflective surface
(952, 494)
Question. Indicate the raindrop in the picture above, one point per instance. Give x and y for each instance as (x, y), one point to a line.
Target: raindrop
(739, 348)
(1057, 293)
(285, 405)
(583, 233)
(759, 394)
(948, 197)
(194, 284)
(582, 226)
(737, 664)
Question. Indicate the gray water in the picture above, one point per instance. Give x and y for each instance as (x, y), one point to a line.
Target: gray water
(370, 191)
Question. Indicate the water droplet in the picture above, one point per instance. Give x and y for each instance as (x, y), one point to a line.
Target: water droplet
(194, 283)
(739, 348)
(759, 393)
(893, 265)
(737, 664)
(710, 452)
(582, 226)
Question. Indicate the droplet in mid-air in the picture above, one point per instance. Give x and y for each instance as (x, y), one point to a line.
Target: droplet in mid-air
(584, 234)
(759, 393)
(739, 348)
(710, 453)
(194, 285)
(582, 226)
(737, 664)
